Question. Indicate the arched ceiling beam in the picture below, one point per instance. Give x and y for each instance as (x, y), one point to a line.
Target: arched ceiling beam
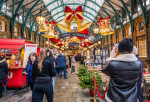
(36, 9)
(64, 14)
(99, 7)
(115, 4)
(29, 3)
(26, 18)
(75, 4)
(109, 10)
(1, 5)
(15, 4)
(14, 16)
(114, 10)
(83, 15)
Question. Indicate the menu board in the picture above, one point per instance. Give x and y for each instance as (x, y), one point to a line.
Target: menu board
(29, 48)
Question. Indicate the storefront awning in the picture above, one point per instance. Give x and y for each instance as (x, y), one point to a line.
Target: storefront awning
(11, 43)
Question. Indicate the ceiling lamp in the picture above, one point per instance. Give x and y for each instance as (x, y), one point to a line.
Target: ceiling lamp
(40, 19)
(46, 42)
(99, 42)
(96, 30)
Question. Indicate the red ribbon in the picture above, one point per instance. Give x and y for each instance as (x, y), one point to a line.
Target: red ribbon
(100, 19)
(54, 23)
(74, 12)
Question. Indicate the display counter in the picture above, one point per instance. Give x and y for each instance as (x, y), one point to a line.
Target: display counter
(15, 77)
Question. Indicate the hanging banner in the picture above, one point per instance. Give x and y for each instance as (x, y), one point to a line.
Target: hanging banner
(29, 48)
(73, 34)
(73, 44)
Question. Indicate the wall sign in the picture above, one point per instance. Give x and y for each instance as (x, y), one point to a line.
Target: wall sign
(73, 34)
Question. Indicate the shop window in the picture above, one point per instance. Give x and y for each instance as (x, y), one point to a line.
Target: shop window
(141, 26)
(142, 47)
(16, 30)
(3, 27)
(129, 31)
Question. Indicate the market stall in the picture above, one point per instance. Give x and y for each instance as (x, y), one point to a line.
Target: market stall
(12, 55)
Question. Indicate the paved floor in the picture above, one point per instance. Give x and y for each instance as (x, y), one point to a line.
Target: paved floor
(68, 90)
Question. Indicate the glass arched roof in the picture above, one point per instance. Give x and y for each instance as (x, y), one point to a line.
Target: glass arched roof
(90, 8)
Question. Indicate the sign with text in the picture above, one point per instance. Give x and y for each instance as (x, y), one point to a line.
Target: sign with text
(73, 44)
(73, 34)
(29, 48)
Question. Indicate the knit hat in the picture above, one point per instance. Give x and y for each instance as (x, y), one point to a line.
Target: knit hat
(126, 45)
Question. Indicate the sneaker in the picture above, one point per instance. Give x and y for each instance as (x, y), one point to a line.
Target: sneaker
(66, 78)
(72, 73)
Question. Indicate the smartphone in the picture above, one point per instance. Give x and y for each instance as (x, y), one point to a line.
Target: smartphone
(116, 46)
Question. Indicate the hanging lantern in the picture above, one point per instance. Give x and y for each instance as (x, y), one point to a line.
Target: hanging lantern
(105, 26)
(96, 30)
(50, 32)
(40, 20)
(86, 40)
(46, 42)
(99, 42)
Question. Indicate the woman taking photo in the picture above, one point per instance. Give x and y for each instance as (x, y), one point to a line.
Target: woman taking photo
(28, 69)
(42, 73)
(124, 70)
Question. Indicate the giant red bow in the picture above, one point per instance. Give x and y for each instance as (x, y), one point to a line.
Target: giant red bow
(76, 12)
(54, 22)
(100, 19)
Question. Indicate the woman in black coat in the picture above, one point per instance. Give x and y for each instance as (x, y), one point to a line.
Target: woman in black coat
(42, 73)
(3, 73)
(124, 70)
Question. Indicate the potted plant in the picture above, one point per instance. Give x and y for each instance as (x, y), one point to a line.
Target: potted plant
(87, 79)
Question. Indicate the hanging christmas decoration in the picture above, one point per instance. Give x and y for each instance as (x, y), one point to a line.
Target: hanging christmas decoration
(105, 26)
(76, 14)
(50, 32)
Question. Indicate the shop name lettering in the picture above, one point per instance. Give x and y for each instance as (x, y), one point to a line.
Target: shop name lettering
(73, 34)
(30, 45)
(73, 44)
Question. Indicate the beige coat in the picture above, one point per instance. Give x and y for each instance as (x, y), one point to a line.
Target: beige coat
(73, 61)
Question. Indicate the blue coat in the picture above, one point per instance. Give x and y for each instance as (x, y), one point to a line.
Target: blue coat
(140, 93)
(61, 61)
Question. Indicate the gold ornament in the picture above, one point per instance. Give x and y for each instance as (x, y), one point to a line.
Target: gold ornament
(50, 32)
(66, 25)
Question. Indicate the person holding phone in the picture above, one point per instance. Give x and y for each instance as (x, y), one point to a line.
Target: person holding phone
(124, 70)
(28, 69)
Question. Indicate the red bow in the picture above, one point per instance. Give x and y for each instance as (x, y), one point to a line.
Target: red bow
(100, 19)
(54, 23)
(76, 12)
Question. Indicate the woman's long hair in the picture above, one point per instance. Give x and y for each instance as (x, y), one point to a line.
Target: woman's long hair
(41, 58)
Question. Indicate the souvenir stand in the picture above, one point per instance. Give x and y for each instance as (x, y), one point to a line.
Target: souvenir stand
(12, 48)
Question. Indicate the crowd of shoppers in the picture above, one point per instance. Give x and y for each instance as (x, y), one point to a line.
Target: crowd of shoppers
(124, 68)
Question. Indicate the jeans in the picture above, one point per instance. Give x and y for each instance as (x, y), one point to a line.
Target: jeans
(40, 89)
(60, 72)
(53, 82)
(73, 69)
(1, 90)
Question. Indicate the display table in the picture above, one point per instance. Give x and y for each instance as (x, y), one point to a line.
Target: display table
(15, 77)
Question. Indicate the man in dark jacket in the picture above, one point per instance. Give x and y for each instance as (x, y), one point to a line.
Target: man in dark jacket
(61, 65)
(140, 93)
(3, 73)
(124, 70)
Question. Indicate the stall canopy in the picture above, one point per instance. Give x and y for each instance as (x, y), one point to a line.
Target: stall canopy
(11, 43)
